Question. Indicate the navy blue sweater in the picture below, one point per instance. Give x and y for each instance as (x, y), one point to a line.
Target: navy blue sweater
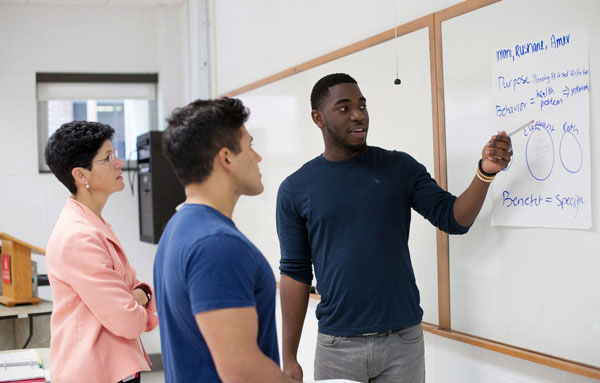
(351, 220)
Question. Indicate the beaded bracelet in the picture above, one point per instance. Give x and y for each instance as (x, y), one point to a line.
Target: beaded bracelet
(484, 176)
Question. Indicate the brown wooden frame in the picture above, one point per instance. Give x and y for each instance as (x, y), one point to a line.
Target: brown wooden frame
(440, 146)
(434, 24)
(425, 21)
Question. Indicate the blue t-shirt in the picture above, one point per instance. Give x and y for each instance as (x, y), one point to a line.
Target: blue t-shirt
(204, 263)
(351, 220)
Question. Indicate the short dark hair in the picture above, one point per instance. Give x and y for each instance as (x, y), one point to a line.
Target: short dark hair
(321, 88)
(198, 131)
(75, 144)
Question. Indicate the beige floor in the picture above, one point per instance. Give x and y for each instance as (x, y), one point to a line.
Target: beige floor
(153, 377)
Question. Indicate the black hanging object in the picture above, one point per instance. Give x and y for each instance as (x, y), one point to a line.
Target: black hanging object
(397, 80)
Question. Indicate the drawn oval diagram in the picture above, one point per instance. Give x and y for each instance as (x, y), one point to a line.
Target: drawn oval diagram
(539, 154)
(512, 159)
(571, 156)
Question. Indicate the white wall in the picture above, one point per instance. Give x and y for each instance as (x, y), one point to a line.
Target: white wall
(256, 39)
(36, 38)
(173, 70)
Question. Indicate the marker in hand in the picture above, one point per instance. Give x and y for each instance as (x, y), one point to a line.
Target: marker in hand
(519, 129)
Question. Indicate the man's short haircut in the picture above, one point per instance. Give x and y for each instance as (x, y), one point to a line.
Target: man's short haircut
(197, 132)
(75, 144)
(321, 88)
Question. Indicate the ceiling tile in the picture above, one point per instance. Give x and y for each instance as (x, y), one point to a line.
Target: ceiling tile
(135, 3)
(145, 3)
(132, 3)
(68, 2)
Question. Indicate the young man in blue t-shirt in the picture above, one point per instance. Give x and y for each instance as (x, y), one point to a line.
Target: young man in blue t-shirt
(215, 291)
(347, 213)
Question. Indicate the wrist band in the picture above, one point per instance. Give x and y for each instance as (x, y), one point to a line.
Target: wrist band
(484, 173)
(148, 293)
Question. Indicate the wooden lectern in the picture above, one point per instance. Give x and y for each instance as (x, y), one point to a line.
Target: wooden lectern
(16, 271)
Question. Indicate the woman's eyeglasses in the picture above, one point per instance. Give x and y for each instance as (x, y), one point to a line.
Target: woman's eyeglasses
(110, 158)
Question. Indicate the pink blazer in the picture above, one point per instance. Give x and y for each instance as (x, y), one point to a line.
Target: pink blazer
(95, 322)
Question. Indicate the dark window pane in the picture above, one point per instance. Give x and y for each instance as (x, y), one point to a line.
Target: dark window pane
(113, 114)
(80, 110)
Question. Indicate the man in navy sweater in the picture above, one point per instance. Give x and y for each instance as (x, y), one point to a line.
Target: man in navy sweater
(347, 213)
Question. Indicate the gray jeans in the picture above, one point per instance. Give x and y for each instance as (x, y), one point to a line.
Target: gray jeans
(390, 357)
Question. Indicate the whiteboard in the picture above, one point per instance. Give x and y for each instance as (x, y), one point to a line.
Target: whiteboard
(536, 288)
(400, 119)
(544, 81)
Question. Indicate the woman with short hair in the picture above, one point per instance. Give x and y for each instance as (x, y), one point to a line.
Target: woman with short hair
(100, 308)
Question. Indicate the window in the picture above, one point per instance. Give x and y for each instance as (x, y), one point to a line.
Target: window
(126, 102)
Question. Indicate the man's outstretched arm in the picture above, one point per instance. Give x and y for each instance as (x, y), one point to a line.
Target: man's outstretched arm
(294, 302)
(495, 157)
